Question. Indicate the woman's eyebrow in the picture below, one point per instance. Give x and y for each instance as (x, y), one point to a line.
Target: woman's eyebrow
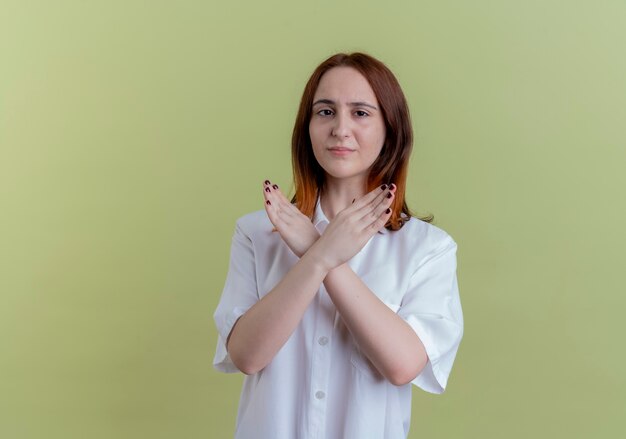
(324, 101)
(362, 104)
(352, 104)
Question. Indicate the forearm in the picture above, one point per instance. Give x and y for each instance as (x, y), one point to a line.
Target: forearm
(384, 337)
(260, 333)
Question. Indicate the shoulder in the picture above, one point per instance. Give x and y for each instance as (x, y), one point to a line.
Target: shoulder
(426, 239)
(254, 224)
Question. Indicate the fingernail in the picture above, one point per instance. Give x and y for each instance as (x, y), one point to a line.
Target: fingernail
(388, 210)
(389, 195)
(268, 189)
(267, 182)
(392, 186)
(275, 186)
(383, 187)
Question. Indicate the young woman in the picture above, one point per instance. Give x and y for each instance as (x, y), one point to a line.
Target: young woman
(338, 300)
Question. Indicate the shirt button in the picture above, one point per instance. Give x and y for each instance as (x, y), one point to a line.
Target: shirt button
(323, 341)
(319, 394)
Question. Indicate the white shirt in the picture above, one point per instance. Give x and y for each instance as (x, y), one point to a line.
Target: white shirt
(319, 385)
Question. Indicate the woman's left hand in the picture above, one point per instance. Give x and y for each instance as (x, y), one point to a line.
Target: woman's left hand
(295, 228)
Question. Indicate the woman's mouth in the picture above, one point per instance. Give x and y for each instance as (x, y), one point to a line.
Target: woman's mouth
(340, 151)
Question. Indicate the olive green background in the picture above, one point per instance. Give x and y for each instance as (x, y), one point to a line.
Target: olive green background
(134, 134)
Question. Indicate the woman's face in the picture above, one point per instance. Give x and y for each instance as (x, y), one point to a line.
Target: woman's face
(347, 129)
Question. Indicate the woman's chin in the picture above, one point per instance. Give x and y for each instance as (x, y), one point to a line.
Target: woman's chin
(344, 174)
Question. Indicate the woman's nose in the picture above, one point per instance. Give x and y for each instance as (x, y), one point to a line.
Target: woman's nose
(341, 127)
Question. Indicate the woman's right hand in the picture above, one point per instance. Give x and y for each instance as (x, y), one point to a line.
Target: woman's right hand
(353, 227)
(295, 228)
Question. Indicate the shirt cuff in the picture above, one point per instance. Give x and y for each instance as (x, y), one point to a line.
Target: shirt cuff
(222, 361)
(430, 379)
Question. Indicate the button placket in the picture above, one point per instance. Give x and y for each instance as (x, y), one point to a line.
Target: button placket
(320, 367)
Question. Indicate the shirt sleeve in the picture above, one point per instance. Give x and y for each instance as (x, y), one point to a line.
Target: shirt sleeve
(239, 294)
(432, 307)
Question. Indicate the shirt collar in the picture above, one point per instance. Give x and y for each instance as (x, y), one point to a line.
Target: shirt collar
(320, 218)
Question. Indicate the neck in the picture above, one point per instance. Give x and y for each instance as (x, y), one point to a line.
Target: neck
(339, 193)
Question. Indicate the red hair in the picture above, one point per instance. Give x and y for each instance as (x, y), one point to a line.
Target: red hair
(392, 163)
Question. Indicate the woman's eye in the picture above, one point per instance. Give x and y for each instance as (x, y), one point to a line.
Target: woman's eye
(361, 113)
(325, 112)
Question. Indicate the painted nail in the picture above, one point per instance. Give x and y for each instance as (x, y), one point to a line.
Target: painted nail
(392, 186)
(267, 182)
(268, 202)
(383, 187)
(268, 189)
(275, 186)
(389, 195)
(388, 210)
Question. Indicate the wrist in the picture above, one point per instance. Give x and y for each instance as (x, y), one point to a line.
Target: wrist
(315, 257)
